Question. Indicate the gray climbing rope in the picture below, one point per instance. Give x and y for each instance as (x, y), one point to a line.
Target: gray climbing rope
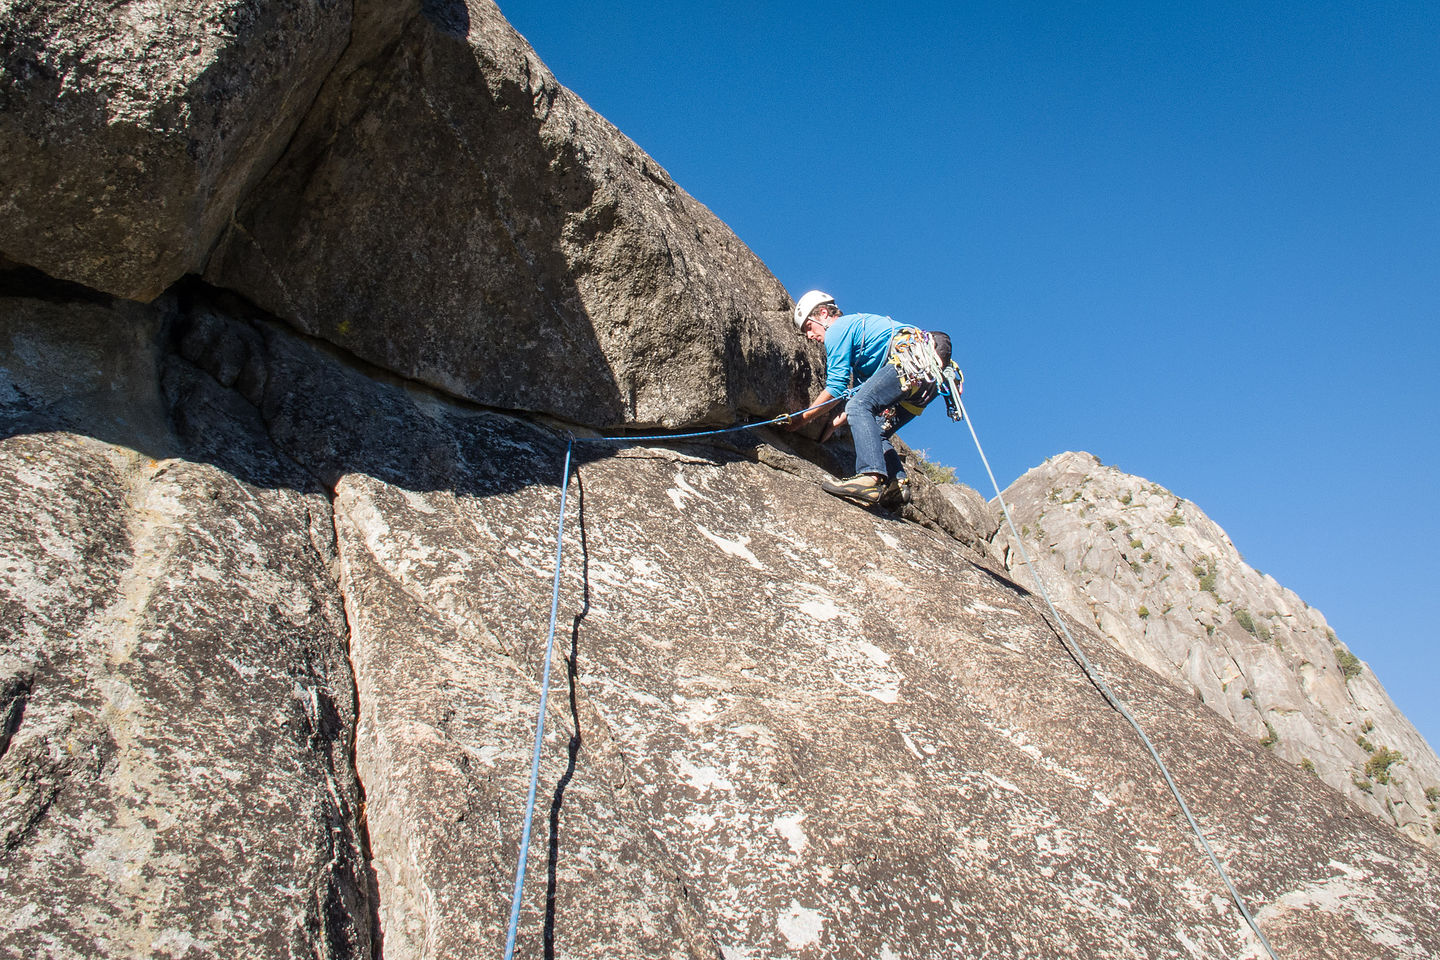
(1111, 696)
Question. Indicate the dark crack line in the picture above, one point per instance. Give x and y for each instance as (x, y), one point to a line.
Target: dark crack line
(572, 673)
(15, 692)
(362, 817)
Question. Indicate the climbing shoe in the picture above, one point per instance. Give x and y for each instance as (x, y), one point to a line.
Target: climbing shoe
(896, 493)
(863, 489)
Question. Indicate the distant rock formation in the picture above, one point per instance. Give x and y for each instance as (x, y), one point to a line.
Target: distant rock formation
(1161, 581)
(279, 543)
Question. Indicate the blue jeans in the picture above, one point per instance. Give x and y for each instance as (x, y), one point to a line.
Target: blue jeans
(873, 452)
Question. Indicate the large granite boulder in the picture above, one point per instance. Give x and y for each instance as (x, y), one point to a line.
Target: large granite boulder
(128, 131)
(782, 726)
(448, 211)
(1161, 581)
(273, 606)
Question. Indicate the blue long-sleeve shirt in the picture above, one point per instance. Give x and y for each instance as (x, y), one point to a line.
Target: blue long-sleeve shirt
(855, 346)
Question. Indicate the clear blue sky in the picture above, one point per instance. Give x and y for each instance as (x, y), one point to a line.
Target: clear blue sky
(1199, 240)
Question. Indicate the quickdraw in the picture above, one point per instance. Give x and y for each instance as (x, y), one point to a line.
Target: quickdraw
(912, 352)
(923, 374)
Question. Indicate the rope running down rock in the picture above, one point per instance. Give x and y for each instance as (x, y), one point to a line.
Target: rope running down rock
(1110, 695)
(1066, 637)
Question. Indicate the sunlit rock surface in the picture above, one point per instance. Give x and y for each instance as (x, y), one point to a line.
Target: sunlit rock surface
(129, 131)
(781, 725)
(1160, 580)
(275, 576)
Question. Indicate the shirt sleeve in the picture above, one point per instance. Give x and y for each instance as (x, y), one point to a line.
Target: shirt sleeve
(839, 346)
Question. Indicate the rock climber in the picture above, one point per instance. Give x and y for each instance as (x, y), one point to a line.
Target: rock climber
(898, 369)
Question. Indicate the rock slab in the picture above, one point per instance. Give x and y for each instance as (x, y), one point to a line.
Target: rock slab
(1161, 581)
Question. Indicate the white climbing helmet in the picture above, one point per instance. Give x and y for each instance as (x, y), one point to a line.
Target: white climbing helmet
(807, 303)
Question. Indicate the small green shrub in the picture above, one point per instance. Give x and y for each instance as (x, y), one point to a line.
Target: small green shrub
(937, 473)
(1247, 624)
(1432, 794)
(1349, 663)
(1307, 765)
(1175, 520)
(1205, 573)
(1144, 612)
(1363, 784)
(1271, 737)
(1110, 524)
(1377, 768)
(1125, 498)
(1136, 544)
(1364, 744)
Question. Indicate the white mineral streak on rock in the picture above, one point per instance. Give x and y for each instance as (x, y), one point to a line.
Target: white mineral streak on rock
(682, 492)
(876, 656)
(821, 610)
(646, 573)
(735, 548)
(1354, 888)
(788, 827)
(801, 926)
(864, 668)
(703, 779)
(697, 714)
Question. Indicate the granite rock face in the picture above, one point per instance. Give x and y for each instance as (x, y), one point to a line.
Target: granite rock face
(1161, 581)
(179, 712)
(781, 726)
(450, 212)
(129, 131)
(406, 180)
(276, 572)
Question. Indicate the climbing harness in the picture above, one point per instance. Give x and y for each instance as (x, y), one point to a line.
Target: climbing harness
(913, 355)
(923, 372)
(1113, 699)
(948, 384)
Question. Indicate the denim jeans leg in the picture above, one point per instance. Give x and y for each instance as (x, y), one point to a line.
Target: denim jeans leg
(864, 411)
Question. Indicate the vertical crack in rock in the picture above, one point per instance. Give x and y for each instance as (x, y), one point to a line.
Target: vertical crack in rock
(14, 692)
(699, 942)
(362, 819)
(340, 922)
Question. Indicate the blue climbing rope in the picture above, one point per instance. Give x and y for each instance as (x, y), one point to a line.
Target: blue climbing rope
(540, 720)
(550, 640)
(1069, 640)
(773, 422)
